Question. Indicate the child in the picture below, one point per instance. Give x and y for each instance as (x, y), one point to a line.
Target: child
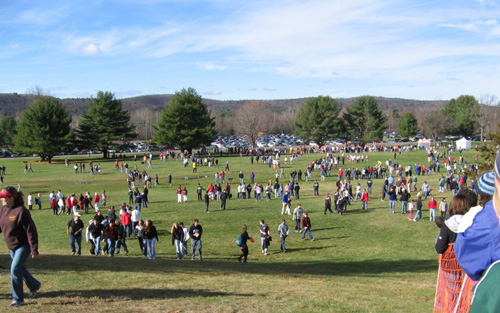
(411, 205)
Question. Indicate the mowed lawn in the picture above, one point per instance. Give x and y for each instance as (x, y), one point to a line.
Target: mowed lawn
(360, 262)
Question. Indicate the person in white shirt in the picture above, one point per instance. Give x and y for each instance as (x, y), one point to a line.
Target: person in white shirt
(30, 201)
(135, 217)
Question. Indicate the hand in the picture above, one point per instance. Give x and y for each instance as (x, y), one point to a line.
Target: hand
(34, 254)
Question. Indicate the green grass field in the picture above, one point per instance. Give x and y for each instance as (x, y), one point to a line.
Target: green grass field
(360, 262)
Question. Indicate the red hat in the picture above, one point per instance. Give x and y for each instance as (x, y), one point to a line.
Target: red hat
(9, 192)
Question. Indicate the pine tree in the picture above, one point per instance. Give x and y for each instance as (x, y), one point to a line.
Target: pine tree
(318, 120)
(44, 129)
(185, 122)
(365, 120)
(104, 123)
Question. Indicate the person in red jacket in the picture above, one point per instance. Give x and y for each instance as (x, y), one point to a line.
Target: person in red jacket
(432, 205)
(126, 220)
(364, 199)
(53, 205)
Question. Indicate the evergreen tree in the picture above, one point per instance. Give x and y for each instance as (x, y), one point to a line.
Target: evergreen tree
(7, 131)
(365, 120)
(185, 122)
(318, 120)
(104, 122)
(408, 125)
(44, 129)
(463, 111)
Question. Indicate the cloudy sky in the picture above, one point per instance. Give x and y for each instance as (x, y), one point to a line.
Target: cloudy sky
(233, 49)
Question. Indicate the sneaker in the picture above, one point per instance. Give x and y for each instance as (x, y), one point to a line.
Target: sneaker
(33, 292)
(17, 303)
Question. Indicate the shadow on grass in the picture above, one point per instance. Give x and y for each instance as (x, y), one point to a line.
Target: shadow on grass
(137, 294)
(61, 263)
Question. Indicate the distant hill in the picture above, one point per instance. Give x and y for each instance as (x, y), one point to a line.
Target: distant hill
(13, 103)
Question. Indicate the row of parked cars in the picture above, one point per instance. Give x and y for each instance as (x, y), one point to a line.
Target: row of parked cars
(272, 140)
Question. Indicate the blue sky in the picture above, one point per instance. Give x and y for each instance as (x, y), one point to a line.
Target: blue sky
(232, 50)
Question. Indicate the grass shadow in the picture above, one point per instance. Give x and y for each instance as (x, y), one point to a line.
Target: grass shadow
(63, 263)
(137, 294)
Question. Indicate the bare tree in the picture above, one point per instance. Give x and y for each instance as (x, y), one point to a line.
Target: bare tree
(143, 119)
(250, 119)
(483, 118)
(434, 124)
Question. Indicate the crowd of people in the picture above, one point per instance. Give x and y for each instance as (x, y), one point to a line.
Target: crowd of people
(462, 225)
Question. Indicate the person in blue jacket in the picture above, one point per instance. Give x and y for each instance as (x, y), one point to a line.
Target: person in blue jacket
(478, 240)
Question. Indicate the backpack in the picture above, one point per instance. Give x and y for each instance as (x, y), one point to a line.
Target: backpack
(239, 241)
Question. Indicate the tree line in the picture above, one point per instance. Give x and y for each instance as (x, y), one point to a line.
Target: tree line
(47, 129)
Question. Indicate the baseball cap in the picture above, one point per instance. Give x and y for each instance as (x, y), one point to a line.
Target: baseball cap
(9, 192)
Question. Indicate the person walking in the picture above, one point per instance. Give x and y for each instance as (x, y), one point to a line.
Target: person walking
(74, 231)
(177, 239)
(21, 237)
(364, 199)
(328, 204)
(418, 215)
(432, 205)
(264, 236)
(297, 216)
(151, 236)
(195, 232)
(283, 232)
(243, 245)
(306, 226)
(443, 207)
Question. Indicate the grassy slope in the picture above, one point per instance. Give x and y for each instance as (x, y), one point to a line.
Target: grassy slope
(360, 262)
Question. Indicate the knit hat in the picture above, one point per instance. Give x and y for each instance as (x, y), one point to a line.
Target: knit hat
(486, 184)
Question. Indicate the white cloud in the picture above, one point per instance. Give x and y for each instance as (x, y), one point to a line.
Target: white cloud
(90, 49)
(213, 93)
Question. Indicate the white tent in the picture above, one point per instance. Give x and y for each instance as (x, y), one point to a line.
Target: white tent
(463, 144)
(424, 143)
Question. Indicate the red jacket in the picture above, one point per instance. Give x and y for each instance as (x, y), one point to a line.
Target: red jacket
(125, 218)
(364, 196)
(432, 204)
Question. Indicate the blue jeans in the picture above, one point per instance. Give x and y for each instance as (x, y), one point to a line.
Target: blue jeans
(178, 248)
(97, 245)
(151, 248)
(392, 205)
(432, 214)
(18, 273)
(297, 224)
(404, 205)
(283, 248)
(365, 205)
(111, 246)
(196, 245)
(418, 215)
(308, 231)
(184, 247)
(128, 230)
(78, 240)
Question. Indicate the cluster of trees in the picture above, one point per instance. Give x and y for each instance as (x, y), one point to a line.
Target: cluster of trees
(320, 119)
(46, 128)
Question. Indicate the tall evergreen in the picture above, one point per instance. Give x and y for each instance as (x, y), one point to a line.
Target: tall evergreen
(185, 122)
(44, 129)
(318, 120)
(105, 122)
(365, 120)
